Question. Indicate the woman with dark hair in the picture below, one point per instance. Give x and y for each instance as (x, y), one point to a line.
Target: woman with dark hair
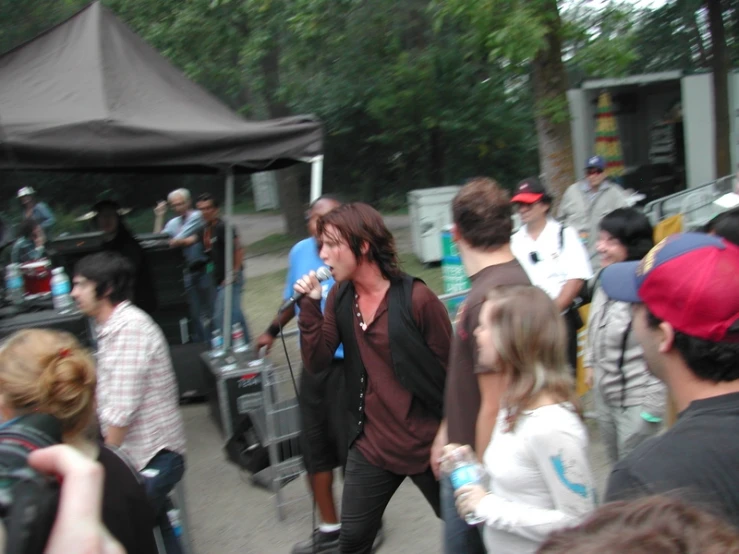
(630, 401)
(118, 238)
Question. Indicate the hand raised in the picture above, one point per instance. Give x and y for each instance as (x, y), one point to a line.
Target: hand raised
(309, 286)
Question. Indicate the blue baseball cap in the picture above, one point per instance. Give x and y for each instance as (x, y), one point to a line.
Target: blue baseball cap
(596, 162)
(688, 280)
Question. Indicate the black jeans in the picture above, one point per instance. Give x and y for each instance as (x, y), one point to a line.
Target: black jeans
(367, 491)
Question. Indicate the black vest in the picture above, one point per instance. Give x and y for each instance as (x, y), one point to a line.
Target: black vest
(415, 365)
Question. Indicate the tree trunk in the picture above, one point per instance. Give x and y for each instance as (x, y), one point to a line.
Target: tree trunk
(288, 180)
(549, 81)
(720, 66)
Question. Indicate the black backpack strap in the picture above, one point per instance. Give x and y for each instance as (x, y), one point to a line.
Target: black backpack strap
(415, 365)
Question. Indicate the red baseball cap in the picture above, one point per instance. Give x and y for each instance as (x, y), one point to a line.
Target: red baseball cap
(529, 191)
(689, 280)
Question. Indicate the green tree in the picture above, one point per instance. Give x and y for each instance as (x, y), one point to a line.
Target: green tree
(528, 36)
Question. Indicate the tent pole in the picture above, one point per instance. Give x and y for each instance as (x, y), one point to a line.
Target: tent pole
(228, 291)
(316, 177)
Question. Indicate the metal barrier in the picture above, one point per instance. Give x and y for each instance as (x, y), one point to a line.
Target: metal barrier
(695, 204)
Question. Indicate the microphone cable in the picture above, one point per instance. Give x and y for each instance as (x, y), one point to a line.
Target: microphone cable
(306, 453)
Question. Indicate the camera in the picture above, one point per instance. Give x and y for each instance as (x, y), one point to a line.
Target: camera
(28, 499)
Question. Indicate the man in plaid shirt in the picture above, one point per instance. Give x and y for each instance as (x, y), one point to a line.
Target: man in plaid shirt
(136, 388)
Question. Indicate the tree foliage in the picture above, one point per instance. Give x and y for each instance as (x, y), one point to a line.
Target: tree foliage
(412, 93)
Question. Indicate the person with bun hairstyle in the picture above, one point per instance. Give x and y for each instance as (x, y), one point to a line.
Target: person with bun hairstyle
(45, 371)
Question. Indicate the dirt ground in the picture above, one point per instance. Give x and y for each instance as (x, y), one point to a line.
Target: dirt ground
(228, 515)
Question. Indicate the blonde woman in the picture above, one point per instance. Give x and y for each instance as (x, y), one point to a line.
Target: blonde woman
(537, 459)
(44, 371)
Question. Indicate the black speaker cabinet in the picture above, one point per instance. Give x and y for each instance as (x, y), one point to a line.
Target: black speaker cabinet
(76, 324)
(188, 368)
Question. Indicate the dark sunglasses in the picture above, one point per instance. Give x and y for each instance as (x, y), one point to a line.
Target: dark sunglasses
(594, 171)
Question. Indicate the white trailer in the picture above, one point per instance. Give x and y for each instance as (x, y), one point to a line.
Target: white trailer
(666, 127)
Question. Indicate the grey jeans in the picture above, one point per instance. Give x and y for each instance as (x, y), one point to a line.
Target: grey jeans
(622, 428)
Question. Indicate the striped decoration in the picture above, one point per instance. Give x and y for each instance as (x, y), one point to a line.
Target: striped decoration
(607, 143)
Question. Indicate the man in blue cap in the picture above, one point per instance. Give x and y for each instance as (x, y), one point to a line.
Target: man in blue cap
(585, 203)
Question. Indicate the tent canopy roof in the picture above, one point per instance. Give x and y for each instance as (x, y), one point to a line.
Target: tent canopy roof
(91, 95)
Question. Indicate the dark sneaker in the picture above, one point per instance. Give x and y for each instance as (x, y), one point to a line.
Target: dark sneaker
(319, 543)
(379, 539)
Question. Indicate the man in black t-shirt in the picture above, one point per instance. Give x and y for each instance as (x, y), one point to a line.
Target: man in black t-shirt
(214, 244)
(686, 317)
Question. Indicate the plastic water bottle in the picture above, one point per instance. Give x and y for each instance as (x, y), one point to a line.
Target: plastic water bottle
(216, 345)
(14, 284)
(462, 467)
(238, 344)
(60, 291)
(175, 521)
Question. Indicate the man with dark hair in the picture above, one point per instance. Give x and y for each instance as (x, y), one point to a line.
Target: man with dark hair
(322, 405)
(552, 255)
(586, 202)
(395, 333)
(482, 230)
(137, 398)
(213, 237)
(686, 317)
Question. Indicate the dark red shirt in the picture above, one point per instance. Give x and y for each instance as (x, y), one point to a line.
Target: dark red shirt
(397, 432)
(462, 402)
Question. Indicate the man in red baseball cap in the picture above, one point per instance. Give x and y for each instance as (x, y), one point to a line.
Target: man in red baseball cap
(686, 317)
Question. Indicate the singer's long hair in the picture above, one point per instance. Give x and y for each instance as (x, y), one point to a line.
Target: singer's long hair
(530, 337)
(360, 223)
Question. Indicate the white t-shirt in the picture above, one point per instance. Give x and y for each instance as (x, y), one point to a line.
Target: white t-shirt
(540, 479)
(557, 263)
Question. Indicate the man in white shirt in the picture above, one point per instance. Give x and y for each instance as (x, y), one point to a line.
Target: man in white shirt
(137, 397)
(551, 253)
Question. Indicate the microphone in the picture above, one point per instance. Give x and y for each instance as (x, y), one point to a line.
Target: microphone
(322, 274)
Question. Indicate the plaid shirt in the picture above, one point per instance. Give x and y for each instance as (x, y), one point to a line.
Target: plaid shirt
(136, 385)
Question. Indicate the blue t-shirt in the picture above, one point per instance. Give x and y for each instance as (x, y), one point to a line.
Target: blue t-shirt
(182, 228)
(303, 259)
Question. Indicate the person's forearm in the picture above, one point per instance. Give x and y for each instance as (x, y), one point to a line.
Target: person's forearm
(281, 320)
(569, 292)
(314, 345)
(116, 435)
(484, 428)
(158, 223)
(238, 258)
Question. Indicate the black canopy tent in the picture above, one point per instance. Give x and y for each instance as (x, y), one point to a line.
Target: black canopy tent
(91, 95)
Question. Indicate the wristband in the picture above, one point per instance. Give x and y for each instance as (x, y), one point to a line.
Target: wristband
(273, 329)
(650, 418)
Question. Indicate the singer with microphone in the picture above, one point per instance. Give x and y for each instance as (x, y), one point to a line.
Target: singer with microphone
(322, 405)
(396, 335)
